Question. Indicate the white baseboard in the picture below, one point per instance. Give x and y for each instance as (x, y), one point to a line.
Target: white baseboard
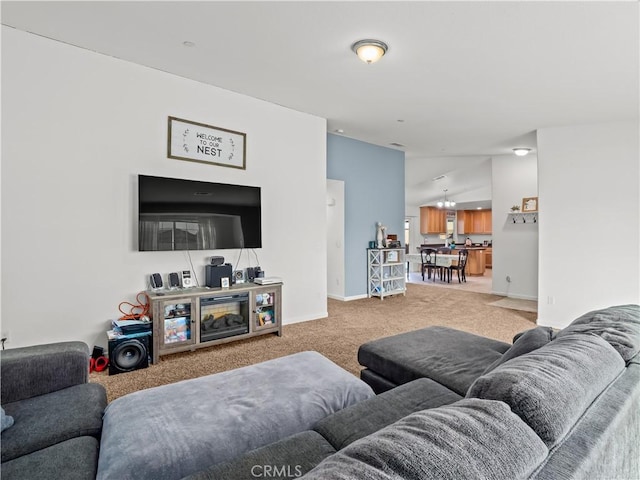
(347, 299)
(512, 295)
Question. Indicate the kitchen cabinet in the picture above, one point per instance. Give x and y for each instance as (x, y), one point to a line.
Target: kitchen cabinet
(461, 218)
(474, 221)
(486, 221)
(488, 257)
(433, 220)
(475, 262)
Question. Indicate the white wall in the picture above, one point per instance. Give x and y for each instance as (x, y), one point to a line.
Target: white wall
(590, 212)
(77, 128)
(515, 246)
(335, 239)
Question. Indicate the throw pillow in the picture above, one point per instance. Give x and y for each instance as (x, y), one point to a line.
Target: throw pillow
(618, 325)
(524, 342)
(7, 420)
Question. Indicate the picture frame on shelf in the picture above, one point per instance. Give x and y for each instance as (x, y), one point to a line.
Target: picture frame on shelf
(529, 204)
(392, 256)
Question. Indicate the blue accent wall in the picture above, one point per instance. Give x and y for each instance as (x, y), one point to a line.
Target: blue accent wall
(374, 192)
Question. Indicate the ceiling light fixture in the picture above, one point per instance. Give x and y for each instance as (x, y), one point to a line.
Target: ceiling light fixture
(369, 51)
(446, 202)
(521, 152)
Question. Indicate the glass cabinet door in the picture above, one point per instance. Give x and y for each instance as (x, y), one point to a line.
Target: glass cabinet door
(177, 321)
(265, 309)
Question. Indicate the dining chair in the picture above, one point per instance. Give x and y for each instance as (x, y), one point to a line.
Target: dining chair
(460, 267)
(428, 257)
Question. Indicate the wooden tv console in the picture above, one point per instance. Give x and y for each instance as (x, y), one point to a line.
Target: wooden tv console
(183, 319)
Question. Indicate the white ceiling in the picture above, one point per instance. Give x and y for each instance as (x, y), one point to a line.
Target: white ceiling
(461, 80)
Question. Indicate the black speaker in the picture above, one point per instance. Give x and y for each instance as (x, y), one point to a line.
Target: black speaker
(156, 280)
(128, 353)
(213, 274)
(215, 261)
(251, 274)
(174, 280)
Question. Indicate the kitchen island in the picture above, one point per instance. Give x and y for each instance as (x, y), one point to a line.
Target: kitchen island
(476, 261)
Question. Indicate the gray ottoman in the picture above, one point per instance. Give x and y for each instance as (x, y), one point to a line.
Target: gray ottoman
(450, 357)
(175, 430)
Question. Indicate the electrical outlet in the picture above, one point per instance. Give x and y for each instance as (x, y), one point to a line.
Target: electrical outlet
(508, 279)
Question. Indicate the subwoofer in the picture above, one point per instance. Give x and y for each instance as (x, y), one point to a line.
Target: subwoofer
(128, 353)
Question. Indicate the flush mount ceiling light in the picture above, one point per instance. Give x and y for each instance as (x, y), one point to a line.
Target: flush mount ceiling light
(369, 51)
(521, 152)
(446, 203)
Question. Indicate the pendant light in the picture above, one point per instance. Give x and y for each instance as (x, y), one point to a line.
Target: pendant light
(446, 203)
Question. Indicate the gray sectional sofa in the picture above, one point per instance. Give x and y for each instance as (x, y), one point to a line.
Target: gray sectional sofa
(53, 417)
(450, 405)
(454, 405)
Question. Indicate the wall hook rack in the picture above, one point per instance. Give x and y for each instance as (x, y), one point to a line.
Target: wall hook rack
(524, 217)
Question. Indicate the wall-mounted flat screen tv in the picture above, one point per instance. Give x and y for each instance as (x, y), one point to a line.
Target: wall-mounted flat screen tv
(176, 214)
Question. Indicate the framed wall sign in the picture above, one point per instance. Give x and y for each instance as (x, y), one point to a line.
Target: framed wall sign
(197, 142)
(530, 204)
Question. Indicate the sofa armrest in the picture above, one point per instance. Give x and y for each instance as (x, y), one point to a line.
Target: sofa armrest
(31, 371)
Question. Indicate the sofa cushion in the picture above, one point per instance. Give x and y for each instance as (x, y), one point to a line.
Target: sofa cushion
(377, 382)
(359, 420)
(40, 369)
(48, 419)
(525, 342)
(619, 325)
(291, 457)
(551, 387)
(470, 439)
(451, 357)
(217, 418)
(74, 459)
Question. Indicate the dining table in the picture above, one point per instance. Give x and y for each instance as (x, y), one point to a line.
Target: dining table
(444, 260)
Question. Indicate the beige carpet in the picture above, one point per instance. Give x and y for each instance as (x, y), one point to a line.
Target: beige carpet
(516, 304)
(338, 337)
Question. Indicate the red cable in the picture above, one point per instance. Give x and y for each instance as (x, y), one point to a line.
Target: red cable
(132, 314)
